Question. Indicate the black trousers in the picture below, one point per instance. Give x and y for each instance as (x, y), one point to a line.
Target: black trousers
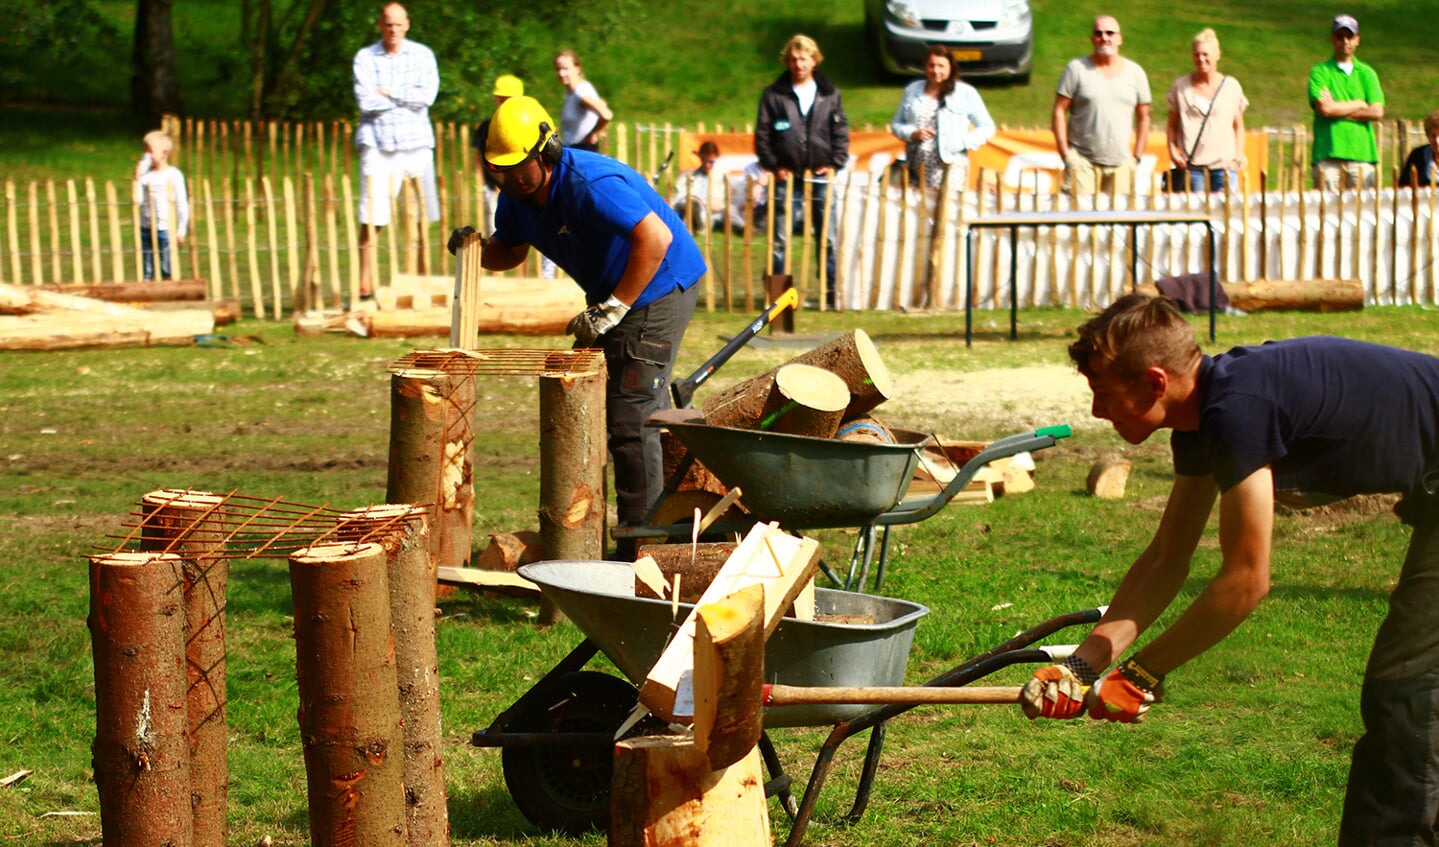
(640, 359)
(1393, 793)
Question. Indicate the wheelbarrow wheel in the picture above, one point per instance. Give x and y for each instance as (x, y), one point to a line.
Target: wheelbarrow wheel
(567, 787)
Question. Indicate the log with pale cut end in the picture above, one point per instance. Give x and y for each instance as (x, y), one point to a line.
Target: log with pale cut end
(192, 524)
(1309, 295)
(852, 357)
(140, 755)
(866, 429)
(664, 794)
(508, 550)
(695, 564)
(1108, 476)
(350, 724)
(431, 460)
(729, 676)
(805, 400)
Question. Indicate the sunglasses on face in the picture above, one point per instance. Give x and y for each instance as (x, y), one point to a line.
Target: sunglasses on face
(1100, 33)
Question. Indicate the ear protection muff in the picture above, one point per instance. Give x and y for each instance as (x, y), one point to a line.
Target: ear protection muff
(550, 145)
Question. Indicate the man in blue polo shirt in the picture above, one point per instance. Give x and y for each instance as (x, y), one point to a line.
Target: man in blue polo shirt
(1308, 420)
(600, 221)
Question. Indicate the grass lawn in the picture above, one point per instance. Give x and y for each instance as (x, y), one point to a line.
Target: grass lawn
(1251, 747)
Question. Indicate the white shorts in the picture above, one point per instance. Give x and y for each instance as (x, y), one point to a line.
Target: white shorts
(382, 174)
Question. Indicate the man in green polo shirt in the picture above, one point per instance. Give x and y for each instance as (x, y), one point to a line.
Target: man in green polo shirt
(1347, 101)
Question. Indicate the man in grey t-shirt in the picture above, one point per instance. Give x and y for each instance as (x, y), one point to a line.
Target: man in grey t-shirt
(1097, 104)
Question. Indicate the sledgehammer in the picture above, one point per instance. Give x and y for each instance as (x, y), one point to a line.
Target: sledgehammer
(683, 391)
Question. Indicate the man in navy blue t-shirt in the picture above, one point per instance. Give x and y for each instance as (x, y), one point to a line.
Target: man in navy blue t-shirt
(1306, 420)
(600, 221)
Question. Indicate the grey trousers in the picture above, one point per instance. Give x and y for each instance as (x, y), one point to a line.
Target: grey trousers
(640, 359)
(1393, 793)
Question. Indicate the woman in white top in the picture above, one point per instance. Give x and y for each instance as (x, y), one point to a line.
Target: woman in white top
(585, 113)
(1206, 122)
(941, 119)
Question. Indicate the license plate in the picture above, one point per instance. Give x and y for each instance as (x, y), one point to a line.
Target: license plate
(967, 55)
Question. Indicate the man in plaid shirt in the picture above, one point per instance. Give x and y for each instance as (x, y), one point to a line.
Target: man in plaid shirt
(396, 81)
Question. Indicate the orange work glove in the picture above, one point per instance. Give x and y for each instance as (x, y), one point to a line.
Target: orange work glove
(1126, 693)
(1057, 691)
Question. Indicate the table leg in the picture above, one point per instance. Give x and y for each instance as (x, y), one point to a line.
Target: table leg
(969, 288)
(1013, 283)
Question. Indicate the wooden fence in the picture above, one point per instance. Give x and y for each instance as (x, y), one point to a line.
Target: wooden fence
(274, 224)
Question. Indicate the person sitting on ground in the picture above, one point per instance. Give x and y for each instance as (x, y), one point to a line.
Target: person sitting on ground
(1422, 167)
(692, 200)
(159, 186)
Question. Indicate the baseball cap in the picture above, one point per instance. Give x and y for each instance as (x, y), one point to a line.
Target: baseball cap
(1345, 22)
(509, 85)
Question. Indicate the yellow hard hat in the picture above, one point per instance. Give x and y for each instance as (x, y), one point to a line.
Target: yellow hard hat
(509, 85)
(519, 130)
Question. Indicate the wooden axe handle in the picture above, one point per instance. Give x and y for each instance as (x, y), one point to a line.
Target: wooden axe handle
(796, 695)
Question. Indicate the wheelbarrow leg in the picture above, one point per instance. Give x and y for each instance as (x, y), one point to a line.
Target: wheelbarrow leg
(780, 780)
(859, 560)
(866, 778)
(883, 560)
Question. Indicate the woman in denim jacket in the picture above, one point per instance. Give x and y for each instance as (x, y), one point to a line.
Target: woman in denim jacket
(940, 119)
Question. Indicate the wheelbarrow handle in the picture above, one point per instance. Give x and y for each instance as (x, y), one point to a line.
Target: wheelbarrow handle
(797, 695)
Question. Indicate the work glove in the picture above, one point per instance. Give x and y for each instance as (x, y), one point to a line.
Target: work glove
(457, 238)
(1126, 693)
(597, 320)
(1058, 690)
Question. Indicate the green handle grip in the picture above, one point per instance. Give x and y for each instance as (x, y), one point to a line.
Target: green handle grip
(1057, 431)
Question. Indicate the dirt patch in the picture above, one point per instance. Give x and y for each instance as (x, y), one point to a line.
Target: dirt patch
(1334, 516)
(998, 399)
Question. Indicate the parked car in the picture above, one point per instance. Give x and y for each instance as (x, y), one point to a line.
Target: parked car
(989, 38)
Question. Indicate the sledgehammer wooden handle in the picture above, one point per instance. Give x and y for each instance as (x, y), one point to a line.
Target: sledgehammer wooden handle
(797, 695)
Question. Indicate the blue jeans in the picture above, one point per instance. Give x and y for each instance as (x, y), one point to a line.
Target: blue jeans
(814, 216)
(1218, 178)
(147, 253)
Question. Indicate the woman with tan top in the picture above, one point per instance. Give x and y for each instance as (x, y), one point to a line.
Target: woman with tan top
(1206, 122)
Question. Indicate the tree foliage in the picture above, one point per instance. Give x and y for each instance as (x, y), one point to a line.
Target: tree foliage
(53, 52)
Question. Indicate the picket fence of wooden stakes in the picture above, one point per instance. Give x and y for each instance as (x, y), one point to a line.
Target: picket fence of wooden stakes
(274, 226)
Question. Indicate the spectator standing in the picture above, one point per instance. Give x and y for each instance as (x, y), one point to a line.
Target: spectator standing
(622, 243)
(1299, 421)
(585, 114)
(802, 129)
(1205, 131)
(1100, 101)
(940, 119)
(1422, 166)
(1347, 101)
(160, 186)
(396, 82)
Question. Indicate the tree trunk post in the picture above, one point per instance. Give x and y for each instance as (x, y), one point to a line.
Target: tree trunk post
(572, 468)
(191, 525)
(665, 794)
(431, 458)
(141, 758)
(349, 712)
(411, 571)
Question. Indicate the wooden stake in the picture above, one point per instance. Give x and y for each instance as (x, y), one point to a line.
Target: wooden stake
(141, 760)
(12, 231)
(729, 676)
(350, 724)
(117, 248)
(96, 251)
(333, 235)
(217, 288)
(267, 188)
(54, 209)
(228, 201)
(352, 246)
(256, 293)
(292, 236)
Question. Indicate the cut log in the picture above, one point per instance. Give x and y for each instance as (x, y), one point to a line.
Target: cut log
(697, 478)
(664, 794)
(508, 550)
(516, 320)
(431, 462)
(680, 506)
(805, 400)
(70, 330)
(141, 759)
(852, 357)
(729, 676)
(134, 292)
(867, 429)
(572, 470)
(502, 581)
(1108, 476)
(349, 715)
(767, 555)
(695, 577)
(1302, 295)
(223, 311)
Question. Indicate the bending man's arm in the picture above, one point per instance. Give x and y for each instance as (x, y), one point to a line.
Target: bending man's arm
(499, 256)
(649, 241)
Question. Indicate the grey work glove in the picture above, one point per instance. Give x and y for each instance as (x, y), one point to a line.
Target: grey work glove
(597, 320)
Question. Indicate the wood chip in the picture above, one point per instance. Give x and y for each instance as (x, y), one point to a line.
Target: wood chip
(14, 778)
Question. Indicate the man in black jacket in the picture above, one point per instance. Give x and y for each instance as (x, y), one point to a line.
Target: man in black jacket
(802, 131)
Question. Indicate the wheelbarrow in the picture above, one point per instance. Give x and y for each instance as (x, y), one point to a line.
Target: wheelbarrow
(822, 483)
(557, 739)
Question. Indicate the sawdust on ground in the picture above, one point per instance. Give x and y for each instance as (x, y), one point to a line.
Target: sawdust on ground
(998, 399)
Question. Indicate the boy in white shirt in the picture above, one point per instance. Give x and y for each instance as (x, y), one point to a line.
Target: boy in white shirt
(159, 188)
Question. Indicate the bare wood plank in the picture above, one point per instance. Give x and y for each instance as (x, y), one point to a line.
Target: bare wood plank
(212, 241)
(12, 230)
(252, 251)
(267, 190)
(485, 579)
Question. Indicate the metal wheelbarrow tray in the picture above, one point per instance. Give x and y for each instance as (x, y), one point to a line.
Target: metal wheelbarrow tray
(823, 483)
(558, 737)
